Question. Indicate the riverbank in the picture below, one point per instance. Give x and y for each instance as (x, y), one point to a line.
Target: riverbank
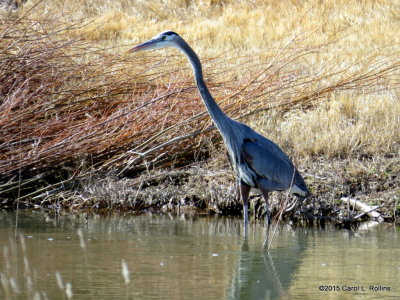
(208, 187)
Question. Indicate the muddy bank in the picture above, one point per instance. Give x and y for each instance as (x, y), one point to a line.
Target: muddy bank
(209, 187)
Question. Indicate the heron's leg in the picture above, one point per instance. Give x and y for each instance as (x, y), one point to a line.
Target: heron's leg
(244, 192)
(266, 196)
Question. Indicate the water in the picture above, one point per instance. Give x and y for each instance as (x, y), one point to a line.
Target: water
(163, 257)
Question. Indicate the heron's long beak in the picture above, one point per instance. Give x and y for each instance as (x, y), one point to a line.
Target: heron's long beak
(144, 46)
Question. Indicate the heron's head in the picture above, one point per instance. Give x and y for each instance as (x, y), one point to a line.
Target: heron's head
(164, 39)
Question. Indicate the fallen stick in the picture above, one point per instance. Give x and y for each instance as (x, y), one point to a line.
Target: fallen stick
(364, 208)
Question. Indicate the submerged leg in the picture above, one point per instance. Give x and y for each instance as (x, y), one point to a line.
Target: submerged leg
(268, 216)
(244, 192)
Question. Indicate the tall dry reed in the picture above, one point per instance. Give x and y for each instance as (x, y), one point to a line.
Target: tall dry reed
(70, 106)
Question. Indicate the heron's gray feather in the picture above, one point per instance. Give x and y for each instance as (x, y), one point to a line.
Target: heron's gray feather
(272, 164)
(267, 162)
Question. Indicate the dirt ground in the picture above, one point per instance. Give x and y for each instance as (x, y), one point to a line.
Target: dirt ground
(209, 187)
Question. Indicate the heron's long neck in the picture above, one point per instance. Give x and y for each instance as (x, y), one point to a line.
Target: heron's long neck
(218, 116)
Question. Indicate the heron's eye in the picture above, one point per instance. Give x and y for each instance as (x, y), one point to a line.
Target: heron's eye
(163, 37)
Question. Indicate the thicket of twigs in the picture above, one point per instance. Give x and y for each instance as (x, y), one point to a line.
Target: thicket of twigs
(69, 108)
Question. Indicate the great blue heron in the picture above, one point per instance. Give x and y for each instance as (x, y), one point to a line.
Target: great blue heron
(257, 161)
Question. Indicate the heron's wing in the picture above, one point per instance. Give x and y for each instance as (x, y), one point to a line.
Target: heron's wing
(268, 160)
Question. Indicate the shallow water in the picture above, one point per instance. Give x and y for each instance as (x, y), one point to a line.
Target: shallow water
(163, 257)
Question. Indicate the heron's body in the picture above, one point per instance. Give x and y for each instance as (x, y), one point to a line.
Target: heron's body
(257, 161)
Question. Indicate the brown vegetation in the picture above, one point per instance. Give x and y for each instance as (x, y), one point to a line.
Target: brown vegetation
(74, 107)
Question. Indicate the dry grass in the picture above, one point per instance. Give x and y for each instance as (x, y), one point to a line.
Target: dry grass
(318, 78)
(343, 126)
